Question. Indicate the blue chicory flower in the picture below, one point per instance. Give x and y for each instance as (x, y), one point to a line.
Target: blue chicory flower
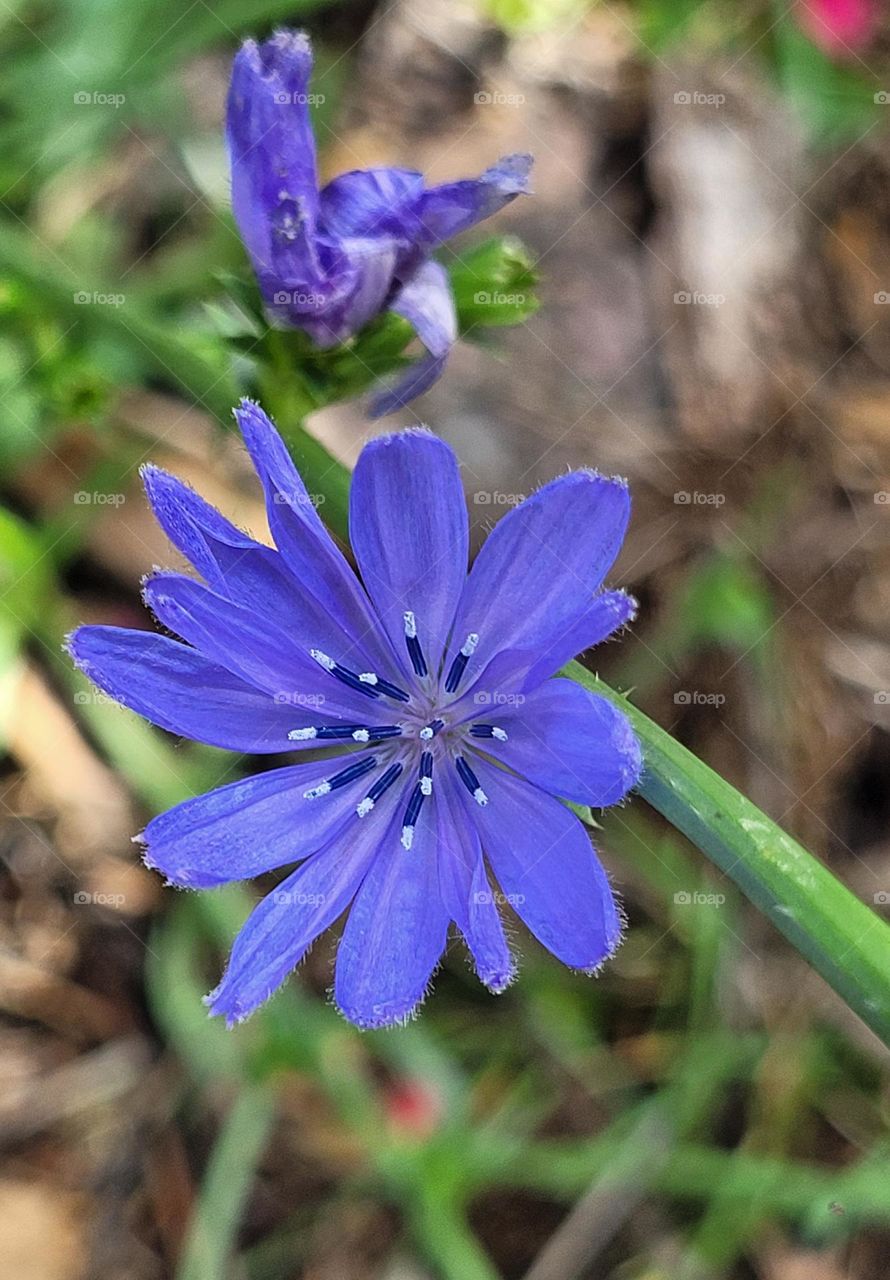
(328, 261)
(434, 686)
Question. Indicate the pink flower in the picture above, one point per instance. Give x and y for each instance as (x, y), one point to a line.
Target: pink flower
(838, 26)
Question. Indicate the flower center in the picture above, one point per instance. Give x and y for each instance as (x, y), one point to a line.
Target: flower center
(422, 737)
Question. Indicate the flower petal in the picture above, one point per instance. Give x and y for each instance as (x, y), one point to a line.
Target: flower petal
(255, 650)
(180, 690)
(312, 556)
(372, 202)
(426, 301)
(547, 867)
(408, 528)
(288, 920)
(395, 932)
(568, 741)
(243, 570)
(536, 574)
(272, 153)
(466, 892)
(455, 206)
(251, 826)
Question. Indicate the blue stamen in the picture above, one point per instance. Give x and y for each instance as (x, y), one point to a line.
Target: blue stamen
(470, 781)
(343, 778)
(488, 731)
(458, 666)
(430, 730)
(415, 653)
(355, 732)
(382, 784)
(423, 789)
(367, 682)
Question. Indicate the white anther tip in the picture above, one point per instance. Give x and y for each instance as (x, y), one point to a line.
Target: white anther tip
(407, 837)
(469, 645)
(361, 735)
(302, 735)
(480, 797)
(368, 677)
(322, 659)
(314, 792)
(500, 734)
(426, 733)
(364, 807)
(426, 786)
(410, 624)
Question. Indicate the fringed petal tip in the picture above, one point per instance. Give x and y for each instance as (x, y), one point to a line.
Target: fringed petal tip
(613, 943)
(381, 1016)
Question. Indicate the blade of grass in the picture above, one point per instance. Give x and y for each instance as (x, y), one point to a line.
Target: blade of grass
(214, 1225)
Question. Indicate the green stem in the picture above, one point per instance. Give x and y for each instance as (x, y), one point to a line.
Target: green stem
(843, 939)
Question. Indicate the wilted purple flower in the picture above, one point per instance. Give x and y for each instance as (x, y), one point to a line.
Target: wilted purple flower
(433, 687)
(328, 261)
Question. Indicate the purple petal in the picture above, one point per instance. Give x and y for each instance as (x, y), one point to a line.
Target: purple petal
(569, 742)
(243, 570)
(312, 556)
(449, 209)
(605, 614)
(467, 894)
(286, 923)
(180, 690)
(255, 650)
(537, 572)
(426, 301)
(272, 154)
(396, 930)
(408, 528)
(372, 202)
(546, 866)
(251, 826)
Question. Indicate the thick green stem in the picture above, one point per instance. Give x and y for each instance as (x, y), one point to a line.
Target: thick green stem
(842, 938)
